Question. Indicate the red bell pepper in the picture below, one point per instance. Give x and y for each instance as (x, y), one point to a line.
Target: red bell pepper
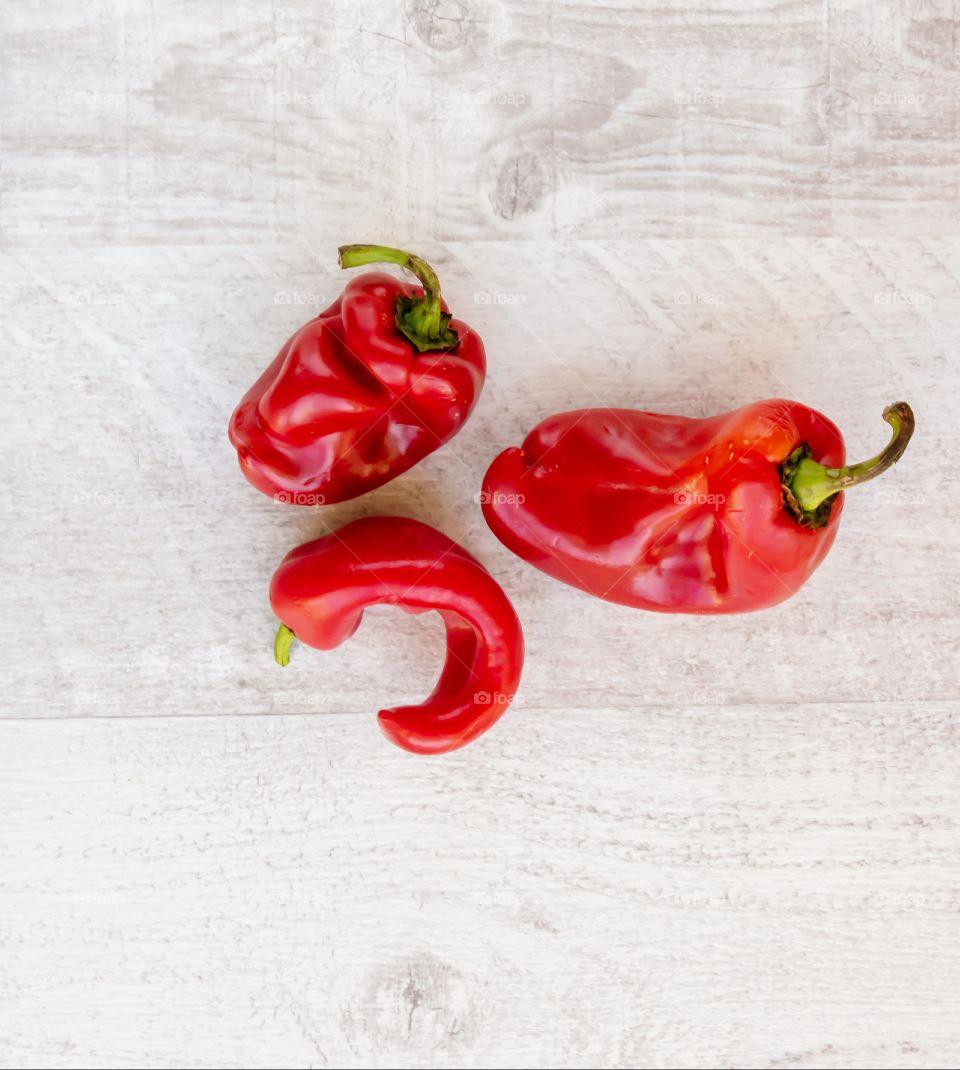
(720, 515)
(321, 589)
(363, 392)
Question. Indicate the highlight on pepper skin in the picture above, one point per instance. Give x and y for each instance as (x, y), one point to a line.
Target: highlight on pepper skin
(322, 588)
(727, 514)
(363, 392)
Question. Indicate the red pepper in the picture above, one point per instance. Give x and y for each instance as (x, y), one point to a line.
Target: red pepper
(321, 589)
(720, 515)
(361, 393)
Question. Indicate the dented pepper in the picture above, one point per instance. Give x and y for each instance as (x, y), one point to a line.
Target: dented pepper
(322, 588)
(362, 392)
(720, 515)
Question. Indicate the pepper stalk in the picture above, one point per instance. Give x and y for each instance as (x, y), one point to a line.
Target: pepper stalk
(421, 320)
(809, 488)
(281, 645)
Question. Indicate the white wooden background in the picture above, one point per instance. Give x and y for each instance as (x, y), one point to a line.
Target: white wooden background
(728, 842)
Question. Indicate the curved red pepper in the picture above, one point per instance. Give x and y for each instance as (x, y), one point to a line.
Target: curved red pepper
(321, 589)
(361, 393)
(721, 515)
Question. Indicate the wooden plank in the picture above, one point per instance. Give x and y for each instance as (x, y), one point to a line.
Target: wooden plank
(472, 120)
(690, 842)
(579, 888)
(146, 557)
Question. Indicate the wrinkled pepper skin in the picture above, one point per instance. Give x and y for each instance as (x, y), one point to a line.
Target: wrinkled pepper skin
(662, 512)
(321, 589)
(349, 404)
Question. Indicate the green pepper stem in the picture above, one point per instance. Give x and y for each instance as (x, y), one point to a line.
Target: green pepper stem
(811, 484)
(281, 645)
(421, 320)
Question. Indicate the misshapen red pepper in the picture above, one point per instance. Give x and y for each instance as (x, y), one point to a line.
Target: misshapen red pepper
(321, 589)
(720, 515)
(363, 392)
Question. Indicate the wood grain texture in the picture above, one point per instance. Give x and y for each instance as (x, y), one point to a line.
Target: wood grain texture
(475, 119)
(143, 557)
(689, 842)
(773, 887)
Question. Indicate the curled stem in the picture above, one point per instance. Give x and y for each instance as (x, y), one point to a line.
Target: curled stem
(809, 487)
(421, 320)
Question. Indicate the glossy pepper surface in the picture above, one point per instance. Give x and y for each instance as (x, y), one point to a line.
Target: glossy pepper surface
(321, 589)
(361, 393)
(719, 515)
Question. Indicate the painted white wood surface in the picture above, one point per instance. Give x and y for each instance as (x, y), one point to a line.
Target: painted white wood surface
(142, 558)
(476, 119)
(735, 887)
(691, 842)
